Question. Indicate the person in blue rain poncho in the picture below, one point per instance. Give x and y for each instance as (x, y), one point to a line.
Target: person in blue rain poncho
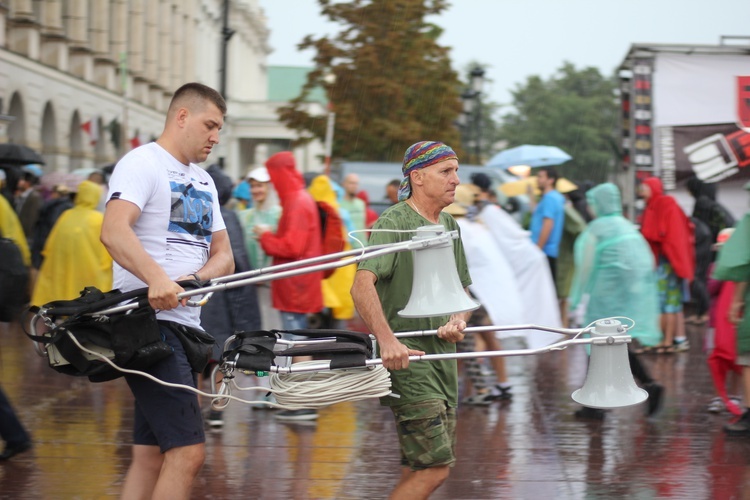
(614, 276)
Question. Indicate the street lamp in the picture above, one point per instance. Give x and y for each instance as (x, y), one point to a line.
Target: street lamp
(330, 79)
(472, 108)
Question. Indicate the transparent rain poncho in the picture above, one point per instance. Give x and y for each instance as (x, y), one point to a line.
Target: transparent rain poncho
(614, 268)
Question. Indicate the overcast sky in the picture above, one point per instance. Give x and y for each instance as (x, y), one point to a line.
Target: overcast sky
(519, 38)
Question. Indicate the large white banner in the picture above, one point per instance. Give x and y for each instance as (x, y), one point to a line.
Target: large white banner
(697, 89)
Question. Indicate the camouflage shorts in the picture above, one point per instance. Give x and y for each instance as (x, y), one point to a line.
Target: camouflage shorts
(426, 433)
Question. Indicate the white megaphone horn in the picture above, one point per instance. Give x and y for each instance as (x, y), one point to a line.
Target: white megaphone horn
(609, 381)
(436, 289)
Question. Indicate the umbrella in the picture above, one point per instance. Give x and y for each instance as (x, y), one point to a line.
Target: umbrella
(18, 154)
(517, 188)
(68, 179)
(531, 155)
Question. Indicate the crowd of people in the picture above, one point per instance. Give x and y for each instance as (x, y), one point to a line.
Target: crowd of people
(160, 220)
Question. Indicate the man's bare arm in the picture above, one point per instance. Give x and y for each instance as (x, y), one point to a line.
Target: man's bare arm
(546, 230)
(452, 331)
(221, 259)
(395, 355)
(126, 249)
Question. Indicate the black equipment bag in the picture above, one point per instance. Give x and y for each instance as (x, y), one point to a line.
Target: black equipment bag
(130, 339)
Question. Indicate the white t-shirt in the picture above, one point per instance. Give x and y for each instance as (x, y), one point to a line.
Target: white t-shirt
(179, 213)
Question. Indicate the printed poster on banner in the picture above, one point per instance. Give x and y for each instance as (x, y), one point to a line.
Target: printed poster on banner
(710, 152)
(743, 103)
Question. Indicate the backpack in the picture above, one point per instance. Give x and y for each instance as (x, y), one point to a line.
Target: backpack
(331, 231)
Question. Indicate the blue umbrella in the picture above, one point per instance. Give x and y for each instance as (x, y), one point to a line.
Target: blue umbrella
(531, 155)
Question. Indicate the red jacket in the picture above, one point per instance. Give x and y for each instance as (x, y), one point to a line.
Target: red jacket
(298, 236)
(668, 230)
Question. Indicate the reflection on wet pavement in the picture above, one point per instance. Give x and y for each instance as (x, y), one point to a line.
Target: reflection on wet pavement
(530, 447)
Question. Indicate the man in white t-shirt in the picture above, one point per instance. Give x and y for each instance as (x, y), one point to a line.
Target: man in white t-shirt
(163, 224)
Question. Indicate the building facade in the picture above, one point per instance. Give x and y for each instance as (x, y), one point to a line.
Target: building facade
(85, 81)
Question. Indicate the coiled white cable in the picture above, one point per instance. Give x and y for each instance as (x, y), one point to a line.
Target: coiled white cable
(319, 389)
(293, 391)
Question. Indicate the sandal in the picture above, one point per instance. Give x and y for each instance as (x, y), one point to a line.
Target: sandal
(645, 349)
(479, 399)
(502, 393)
(666, 349)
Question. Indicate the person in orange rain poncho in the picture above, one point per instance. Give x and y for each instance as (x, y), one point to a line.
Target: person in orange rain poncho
(336, 296)
(74, 258)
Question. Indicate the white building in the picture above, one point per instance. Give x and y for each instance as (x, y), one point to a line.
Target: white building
(83, 81)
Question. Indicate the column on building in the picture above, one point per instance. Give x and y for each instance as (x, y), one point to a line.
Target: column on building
(189, 45)
(3, 30)
(179, 57)
(54, 42)
(151, 25)
(81, 55)
(101, 35)
(136, 59)
(164, 49)
(23, 29)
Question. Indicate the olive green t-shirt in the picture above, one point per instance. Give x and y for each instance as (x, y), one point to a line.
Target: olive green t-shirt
(423, 379)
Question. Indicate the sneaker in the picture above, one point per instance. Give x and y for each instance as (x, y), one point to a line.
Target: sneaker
(716, 405)
(734, 406)
(215, 419)
(590, 413)
(304, 414)
(655, 392)
(681, 345)
(261, 403)
(740, 427)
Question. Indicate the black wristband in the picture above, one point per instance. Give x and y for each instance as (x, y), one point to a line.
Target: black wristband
(197, 278)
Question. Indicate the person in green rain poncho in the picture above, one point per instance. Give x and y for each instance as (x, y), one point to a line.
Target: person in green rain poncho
(733, 264)
(614, 276)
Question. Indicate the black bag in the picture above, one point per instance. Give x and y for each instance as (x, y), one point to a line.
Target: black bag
(198, 345)
(14, 280)
(129, 339)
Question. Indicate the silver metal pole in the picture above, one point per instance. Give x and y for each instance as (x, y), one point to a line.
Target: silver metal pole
(325, 365)
(492, 328)
(365, 254)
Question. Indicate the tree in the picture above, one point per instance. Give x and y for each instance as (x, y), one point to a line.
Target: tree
(575, 110)
(393, 83)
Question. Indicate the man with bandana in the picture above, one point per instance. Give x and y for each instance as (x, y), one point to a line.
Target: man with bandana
(424, 394)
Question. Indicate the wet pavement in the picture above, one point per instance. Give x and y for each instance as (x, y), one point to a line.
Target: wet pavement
(530, 447)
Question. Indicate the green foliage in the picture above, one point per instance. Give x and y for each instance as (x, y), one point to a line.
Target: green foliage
(394, 84)
(575, 110)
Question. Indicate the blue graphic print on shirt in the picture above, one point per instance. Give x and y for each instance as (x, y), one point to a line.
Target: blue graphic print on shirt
(191, 211)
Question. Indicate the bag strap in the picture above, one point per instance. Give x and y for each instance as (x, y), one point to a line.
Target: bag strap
(339, 335)
(256, 349)
(93, 299)
(254, 352)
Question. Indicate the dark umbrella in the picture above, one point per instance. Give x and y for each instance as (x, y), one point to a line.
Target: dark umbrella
(18, 154)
